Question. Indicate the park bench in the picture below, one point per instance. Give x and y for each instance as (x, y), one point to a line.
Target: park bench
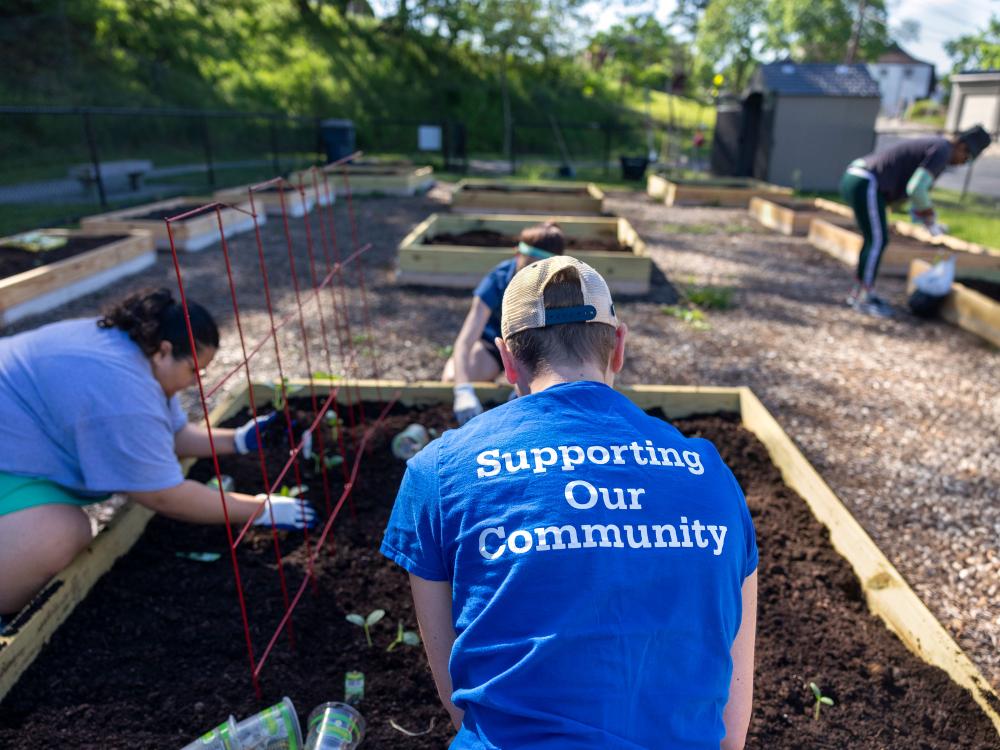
(111, 171)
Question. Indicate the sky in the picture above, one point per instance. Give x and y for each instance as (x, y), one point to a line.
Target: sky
(940, 20)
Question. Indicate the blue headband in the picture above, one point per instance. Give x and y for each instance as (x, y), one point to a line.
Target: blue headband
(525, 249)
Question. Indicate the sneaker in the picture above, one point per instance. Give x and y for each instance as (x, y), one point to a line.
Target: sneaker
(872, 307)
(852, 298)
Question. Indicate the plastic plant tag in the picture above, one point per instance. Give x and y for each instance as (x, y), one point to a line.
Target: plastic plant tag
(354, 687)
(205, 557)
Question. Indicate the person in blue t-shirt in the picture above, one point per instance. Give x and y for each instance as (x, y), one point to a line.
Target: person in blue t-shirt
(90, 407)
(583, 575)
(474, 355)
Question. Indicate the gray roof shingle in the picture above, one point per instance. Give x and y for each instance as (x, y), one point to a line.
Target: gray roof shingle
(814, 79)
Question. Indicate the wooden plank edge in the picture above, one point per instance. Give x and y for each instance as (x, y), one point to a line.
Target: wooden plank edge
(888, 594)
(964, 307)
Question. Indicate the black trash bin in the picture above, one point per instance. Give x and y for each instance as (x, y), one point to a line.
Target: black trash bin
(338, 138)
(633, 167)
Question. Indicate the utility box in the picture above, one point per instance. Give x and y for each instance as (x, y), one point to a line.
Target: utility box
(338, 138)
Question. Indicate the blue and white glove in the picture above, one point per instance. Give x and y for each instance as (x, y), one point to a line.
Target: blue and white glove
(467, 403)
(290, 513)
(245, 439)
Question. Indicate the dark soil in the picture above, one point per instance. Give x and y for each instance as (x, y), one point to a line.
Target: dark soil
(155, 654)
(547, 189)
(14, 260)
(984, 286)
(166, 213)
(490, 238)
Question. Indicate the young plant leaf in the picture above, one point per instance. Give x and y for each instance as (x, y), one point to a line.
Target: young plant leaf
(356, 620)
(374, 617)
(815, 689)
(411, 639)
(826, 701)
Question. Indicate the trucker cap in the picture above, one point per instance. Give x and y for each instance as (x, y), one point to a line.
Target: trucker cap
(976, 139)
(524, 301)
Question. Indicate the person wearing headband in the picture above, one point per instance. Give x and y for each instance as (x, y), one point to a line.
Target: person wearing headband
(584, 576)
(902, 172)
(474, 355)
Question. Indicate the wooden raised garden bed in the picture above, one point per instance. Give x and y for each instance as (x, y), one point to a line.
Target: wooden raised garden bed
(972, 304)
(840, 239)
(734, 192)
(269, 200)
(190, 235)
(527, 197)
(456, 250)
(32, 282)
(789, 216)
(378, 179)
(164, 633)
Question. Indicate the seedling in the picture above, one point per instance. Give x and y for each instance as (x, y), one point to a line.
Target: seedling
(404, 637)
(323, 375)
(293, 491)
(445, 351)
(692, 316)
(280, 389)
(331, 462)
(821, 700)
(367, 622)
(710, 297)
(332, 421)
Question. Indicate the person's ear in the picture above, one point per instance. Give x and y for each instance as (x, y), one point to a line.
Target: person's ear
(618, 355)
(509, 363)
(166, 349)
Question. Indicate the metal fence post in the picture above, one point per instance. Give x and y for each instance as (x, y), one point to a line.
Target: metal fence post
(94, 159)
(207, 142)
(513, 148)
(274, 146)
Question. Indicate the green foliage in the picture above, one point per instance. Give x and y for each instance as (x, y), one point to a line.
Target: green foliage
(366, 622)
(820, 30)
(730, 37)
(821, 700)
(692, 316)
(403, 638)
(710, 297)
(280, 394)
(978, 51)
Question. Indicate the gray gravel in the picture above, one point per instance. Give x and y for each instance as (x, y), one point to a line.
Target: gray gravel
(901, 417)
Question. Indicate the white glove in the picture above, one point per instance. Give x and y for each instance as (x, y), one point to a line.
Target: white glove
(290, 513)
(466, 403)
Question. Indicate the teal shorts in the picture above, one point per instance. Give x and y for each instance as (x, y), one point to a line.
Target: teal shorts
(18, 493)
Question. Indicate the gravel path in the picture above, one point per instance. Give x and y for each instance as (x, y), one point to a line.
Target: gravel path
(901, 417)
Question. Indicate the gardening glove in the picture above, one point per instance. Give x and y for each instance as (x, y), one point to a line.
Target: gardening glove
(937, 229)
(245, 439)
(290, 513)
(466, 403)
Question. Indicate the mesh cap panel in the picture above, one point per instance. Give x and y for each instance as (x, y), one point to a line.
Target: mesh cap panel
(524, 301)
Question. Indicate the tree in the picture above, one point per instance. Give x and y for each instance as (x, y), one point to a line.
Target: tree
(979, 51)
(639, 51)
(821, 30)
(731, 35)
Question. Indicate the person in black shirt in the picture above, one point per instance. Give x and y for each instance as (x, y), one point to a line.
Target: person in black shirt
(904, 171)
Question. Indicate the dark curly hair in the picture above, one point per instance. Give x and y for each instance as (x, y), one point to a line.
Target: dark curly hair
(152, 316)
(547, 236)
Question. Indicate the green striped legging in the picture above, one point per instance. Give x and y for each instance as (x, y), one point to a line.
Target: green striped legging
(860, 189)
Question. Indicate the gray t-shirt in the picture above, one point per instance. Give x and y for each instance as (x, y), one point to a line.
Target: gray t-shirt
(893, 167)
(79, 406)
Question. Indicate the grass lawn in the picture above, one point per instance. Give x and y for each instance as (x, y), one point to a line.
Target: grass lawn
(976, 219)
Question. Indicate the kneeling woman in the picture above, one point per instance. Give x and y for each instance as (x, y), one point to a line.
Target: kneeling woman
(90, 407)
(474, 355)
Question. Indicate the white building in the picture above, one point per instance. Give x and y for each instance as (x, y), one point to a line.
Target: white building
(902, 79)
(975, 100)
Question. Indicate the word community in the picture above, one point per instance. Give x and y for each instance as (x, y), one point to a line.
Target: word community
(494, 541)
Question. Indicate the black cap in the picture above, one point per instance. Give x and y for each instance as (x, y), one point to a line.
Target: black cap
(976, 139)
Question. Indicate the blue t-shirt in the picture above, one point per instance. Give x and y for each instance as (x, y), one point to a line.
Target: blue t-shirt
(490, 291)
(79, 406)
(596, 558)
